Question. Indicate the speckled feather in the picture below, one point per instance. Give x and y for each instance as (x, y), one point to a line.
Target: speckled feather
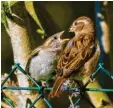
(80, 56)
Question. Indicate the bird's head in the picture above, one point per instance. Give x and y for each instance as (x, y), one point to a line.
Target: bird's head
(55, 41)
(82, 24)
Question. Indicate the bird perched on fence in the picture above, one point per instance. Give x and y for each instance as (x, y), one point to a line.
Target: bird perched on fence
(80, 56)
(42, 61)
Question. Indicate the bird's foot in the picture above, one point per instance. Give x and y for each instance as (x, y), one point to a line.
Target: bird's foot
(65, 85)
(72, 104)
(77, 106)
(92, 80)
(75, 94)
(44, 84)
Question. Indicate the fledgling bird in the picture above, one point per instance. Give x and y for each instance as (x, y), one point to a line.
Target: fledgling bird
(42, 61)
(80, 56)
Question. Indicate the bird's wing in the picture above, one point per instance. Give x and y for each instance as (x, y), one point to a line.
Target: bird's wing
(56, 91)
(76, 54)
(91, 64)
(35, 52)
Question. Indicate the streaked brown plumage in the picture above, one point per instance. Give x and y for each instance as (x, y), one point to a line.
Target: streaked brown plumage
(80, 56)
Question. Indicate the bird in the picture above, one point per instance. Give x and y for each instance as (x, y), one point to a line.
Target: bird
(80, 56)
(41, 62)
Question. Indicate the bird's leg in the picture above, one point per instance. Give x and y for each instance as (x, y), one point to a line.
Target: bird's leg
(70, 99)
(65, 85)
(74, 84)
(43, 83)
(92, 80)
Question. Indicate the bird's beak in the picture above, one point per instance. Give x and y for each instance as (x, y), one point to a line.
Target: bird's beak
(61, 33)
(71, 29)
(63, 40)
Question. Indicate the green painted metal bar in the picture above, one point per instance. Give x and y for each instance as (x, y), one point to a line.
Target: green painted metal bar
(48, 89)
(33, 80)
(22, 70)
(49, 78)
(77, 101)
(106, 71)
(6, 100)
(8, 75)
(73, 89)
(98, 90)
(31, 106)
(41, 90)
(34, 88)
(48, 103)
(93, 75)
(23, 88)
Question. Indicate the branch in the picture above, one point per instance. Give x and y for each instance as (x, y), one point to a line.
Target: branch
(99, 99)
(21, 49)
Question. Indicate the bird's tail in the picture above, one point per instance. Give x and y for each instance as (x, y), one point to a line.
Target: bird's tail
(56, 91)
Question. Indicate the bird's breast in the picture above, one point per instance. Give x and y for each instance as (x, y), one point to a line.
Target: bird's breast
(42, 64)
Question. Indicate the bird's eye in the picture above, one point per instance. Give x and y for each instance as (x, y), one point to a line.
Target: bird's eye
(55, 37)
(76, 23)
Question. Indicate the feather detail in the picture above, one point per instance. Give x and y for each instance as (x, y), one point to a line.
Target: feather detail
(35, 52)
(80, 56)
(56, 88)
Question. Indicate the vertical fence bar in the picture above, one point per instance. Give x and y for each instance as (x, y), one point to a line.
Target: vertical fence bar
(99, 37)
(98, 29)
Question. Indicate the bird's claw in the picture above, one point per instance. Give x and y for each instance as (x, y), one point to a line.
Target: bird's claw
(92, 80)
(44, 84)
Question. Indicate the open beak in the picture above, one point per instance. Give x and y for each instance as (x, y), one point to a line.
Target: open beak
(61, 33)
(69, 30)
(63, 40)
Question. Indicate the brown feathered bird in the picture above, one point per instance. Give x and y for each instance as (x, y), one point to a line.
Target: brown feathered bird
(42, 61)
(80, 56)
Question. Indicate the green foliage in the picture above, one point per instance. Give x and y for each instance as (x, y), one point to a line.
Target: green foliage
(6, 11)
(41, 32)
(4, 8)
(31, 10)
(12, 3)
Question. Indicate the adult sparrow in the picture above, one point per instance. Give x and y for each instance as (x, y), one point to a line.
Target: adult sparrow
(80, 56)
(42, 61)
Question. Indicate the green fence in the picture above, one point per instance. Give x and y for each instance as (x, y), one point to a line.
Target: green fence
(41, 89)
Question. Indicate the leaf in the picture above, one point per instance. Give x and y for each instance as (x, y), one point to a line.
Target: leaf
(30, 8)
(13, 3)
(3, 14)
